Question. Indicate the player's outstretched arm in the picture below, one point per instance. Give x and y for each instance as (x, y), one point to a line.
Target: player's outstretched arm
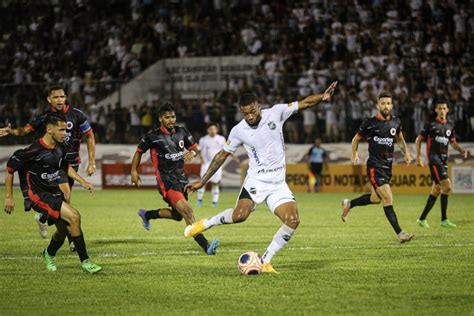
(216, 163)
(74, 175)
(419, 161)
(90, 139)
(403, 147)
(5, 131)
(9, 202)
(137, 157)
(355, 146)
(461, 150)
(312, 100)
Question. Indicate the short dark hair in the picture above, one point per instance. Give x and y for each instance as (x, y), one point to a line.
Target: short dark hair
(384, 94)
(167, 107)
(442, 102)
(54, 88)
(247, 98)
(54, 118)
(211, 124)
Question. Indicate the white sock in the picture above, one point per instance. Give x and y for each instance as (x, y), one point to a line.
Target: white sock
(200, 194)
(215, 193)
(224, 217)
(280, 239)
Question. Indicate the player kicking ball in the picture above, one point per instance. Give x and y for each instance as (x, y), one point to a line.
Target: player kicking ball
(380, 131)
(438, 134)
(261, 134)
(44, 159)
(170, 146)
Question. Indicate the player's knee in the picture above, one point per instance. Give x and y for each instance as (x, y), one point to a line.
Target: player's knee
(240, 215)
(75, 219)
(292, 221)
(446, 189)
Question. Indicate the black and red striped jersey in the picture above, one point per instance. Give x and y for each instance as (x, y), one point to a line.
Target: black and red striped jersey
(167, 153)
(438, 134)
(77, 126)
(42, 164)
(380, 134)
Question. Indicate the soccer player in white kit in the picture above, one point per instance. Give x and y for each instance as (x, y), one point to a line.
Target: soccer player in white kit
(261, 134)
(209, 146)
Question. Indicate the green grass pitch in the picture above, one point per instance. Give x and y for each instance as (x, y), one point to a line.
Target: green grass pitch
(329, 267)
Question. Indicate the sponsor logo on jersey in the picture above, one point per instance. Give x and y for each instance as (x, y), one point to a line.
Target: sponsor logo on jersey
(393, 131)
(448, 132)
(271, 125)
(69, 125)
(181, 143)
(50, 176)
(174, 156)
(442, 140)
(270, 170)
(383, 141)
(255, 156)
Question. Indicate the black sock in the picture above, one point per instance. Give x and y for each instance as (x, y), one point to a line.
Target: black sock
(80, 245)
(152, 214)
(429, 205)
(444, 206)
(202, 241)
(54, 246)
(361, 200)
(69, 238)
(392, 218)
(42, 219)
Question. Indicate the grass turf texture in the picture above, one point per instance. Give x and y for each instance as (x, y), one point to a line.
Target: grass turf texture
(328, 267)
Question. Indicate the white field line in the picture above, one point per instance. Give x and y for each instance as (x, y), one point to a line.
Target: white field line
(196, 252)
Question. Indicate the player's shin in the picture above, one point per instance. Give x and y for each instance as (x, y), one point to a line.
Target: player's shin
(215, 194)
(200, 193)
(444, 206)
(80, 247)
(280, 239)
(361, 201)
(202, 241)
(429, 205)
(392, 218)
(224, 217)
(56, 242)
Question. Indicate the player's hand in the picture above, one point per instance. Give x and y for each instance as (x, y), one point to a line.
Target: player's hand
(407, 158)
(419, 162)
(355, 159)
(329, 91)
(88, 186)
(6, 130)
(192, 187)
(135, 178)
(188, 156)
(464, 153)
(9, 205)
(91, 169)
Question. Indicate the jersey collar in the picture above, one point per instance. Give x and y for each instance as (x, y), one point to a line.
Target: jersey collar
(43, 143)
(165, 131)
(441, 121)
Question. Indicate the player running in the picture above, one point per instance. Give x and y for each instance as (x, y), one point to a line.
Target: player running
(209, 146)
(45, 158)
(380, 131)
(167, 145)
(437, 135)
(261, 134)
(77, 126)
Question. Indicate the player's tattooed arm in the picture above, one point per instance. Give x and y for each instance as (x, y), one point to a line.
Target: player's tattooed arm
(312, 100)
(216, 163)
(137, 157)
(419, 161)
(355, 146)
(403, 147)
(461, 150)
(15, 131)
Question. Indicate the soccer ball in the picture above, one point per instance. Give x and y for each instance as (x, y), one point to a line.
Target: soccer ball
(250, 263)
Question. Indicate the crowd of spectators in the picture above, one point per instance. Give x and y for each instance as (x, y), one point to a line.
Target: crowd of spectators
(420, 50)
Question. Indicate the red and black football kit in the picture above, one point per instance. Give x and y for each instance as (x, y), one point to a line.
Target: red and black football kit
(438, 134)
(42, 166)
(381, 136)
(167, 154)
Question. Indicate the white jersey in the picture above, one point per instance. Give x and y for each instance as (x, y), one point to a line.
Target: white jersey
(264, 144)
(210, 146)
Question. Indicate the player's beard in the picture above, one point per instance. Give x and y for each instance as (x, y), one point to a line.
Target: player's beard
(386, 113)
(255, 124)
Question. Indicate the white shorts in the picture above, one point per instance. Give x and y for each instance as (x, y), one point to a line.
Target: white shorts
(274, 194)
(216, 178)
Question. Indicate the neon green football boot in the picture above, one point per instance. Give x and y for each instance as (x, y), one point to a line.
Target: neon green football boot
(50, 264)
(447, 224)
(423, 223)
(90, 267)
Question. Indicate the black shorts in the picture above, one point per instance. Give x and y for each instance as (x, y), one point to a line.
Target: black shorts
(378, 176)
(64, 177)
(173, 192)
(47, 204)
(439, 172)
(316, 168)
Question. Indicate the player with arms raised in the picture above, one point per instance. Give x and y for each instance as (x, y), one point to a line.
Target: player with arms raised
(438, 134)
(261, 134)
(381, 131)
